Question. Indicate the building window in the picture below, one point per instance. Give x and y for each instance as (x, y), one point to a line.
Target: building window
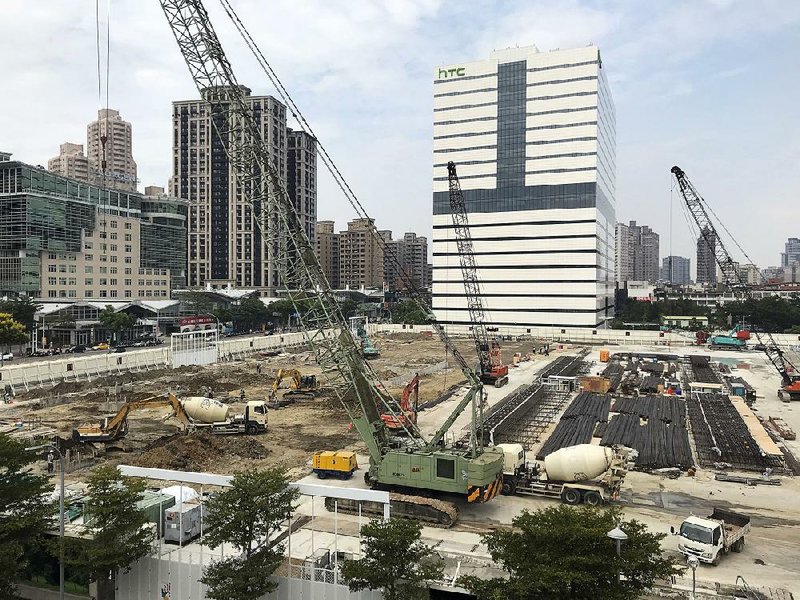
(113, 259)
(103, 281)
(113, 235)
(128, 248)
(113, 281)
(52, 294)
(128, 237)
(127, 271)
(113, 293)
(73, 268)
(113, 224)
(71, 281)
(128, 282)
(72, 294)
(103, 235)
(51, 281)
(88, 281)
(103, 294)
(128, 226)
(62, 281)
(89, 293)
(87, 245)
(104, 269)
(62, 268)
(113, 247)
(52, 269)
(128, 293)
(52, 256)
(88, 257)
(128, 260)
(103, 258)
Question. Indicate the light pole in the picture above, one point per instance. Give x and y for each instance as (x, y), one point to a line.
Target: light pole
(618, 536)
(693, 563)
(51, 447)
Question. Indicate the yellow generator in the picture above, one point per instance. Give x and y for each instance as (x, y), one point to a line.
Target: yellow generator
(340, 464)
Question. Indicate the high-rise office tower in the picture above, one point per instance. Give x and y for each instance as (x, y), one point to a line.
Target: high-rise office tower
(791, 253)
(70, 162)
(302, 178)
(706, 263)
(109, 143)
(676, 269)
(533, 136)
(226, 246)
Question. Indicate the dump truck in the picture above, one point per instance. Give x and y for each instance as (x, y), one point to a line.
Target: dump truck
(195, 412)
(709, 538)
(340, 465)
(584, 473)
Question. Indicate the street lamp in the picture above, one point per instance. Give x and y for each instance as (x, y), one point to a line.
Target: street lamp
(618, 536)
(693, 563)
(54, 447)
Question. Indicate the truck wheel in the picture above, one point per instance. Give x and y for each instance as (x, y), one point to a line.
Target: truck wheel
(592, 498)
(717, 558)
(252, 429)
(571, 497)
(322, 474)
(509, 488)
(738, 546)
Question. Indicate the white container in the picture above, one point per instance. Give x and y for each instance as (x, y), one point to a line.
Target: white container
(205, 410)
(578, 463)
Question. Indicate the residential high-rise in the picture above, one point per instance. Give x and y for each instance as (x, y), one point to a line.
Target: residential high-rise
(360, 256)
(706, 261)
(676, 269)
(301, 176)
(109, 142)
(636, 253)
(328, 251)
(405, 261)
(226, 246)
(533, 137)
(791, 253)
(62, 238)
(70, 162)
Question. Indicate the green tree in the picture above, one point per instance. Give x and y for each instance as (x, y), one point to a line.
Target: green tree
(25, 512)
(395, 561)
(348, 307)
(251, 313)
(246, 516)
(408, 311)
(115, 532)
(116, 322)
(22, 308)
(563, 553)
(11, 331)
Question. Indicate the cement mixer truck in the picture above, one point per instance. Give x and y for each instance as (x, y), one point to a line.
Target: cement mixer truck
(194, 412)
(584, 473)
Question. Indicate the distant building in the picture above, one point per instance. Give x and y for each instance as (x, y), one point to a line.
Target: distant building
(301, 178)
(360, 255)
(676, 269)
(791, 253)
(405, 262)
(71, 162)
(328, 251)
(749, 274)
(772, 274)
(61, 238)
(109, 144)
(636, 252)
(706, 261)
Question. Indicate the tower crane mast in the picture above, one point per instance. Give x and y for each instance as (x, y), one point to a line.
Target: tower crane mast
(695, 203)
(410, 463)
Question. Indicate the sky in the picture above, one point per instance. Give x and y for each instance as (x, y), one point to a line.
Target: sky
(711, 86)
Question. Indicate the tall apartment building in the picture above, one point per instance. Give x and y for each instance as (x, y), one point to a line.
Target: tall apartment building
(70, 162)
(360, 256)
(533, 136)
(706, 263)
(61, 238)
(301, 167)
(791, 253)
(226, 246)
(328, 251)
(676, 269)
(109, 147)
(405, 261)
(636, 252)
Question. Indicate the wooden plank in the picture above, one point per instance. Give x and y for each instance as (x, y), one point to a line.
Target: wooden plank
(760, 435)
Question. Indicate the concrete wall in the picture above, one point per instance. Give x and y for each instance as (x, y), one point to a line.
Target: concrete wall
(30, 592)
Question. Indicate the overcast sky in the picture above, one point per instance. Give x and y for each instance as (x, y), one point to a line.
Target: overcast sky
(711, 86)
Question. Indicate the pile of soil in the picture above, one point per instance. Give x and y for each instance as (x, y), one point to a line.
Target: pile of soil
(197, 451)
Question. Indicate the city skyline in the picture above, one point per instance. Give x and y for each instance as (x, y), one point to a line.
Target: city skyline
(370, 103)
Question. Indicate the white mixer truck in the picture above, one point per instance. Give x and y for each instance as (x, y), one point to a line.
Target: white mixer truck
(194, 412)
(583, 473)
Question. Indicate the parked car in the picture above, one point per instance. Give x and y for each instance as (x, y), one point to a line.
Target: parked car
(76, 349)
(118, 349)
(101, 346)
(7, 356)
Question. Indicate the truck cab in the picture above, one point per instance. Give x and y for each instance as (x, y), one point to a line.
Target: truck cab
(709, 538)
(513, 466)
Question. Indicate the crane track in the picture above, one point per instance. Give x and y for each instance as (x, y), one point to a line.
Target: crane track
(432, 512)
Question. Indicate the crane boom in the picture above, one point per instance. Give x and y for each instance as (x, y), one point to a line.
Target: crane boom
(730, 273)
(409, 463)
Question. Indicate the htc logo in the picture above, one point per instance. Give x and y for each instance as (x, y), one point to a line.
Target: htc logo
(454, 72)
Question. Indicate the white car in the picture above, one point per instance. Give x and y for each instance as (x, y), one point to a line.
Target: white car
(7, 356)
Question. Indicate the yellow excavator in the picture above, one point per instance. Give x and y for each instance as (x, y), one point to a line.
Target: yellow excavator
(300, 386)
(116, 426)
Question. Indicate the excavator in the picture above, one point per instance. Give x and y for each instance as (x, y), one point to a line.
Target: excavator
(408, 408)
(414, 468)
(300, 386)
(116, 427)
(790, 375)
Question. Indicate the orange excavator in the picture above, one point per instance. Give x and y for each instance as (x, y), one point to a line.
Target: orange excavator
(408, 408)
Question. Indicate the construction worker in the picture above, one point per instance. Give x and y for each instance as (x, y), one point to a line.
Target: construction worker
(50, 459)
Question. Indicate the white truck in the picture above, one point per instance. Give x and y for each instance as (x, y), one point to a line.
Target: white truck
(582, 473)
(710, 537)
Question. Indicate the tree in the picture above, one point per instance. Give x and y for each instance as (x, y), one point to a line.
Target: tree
(25, 512)
(408, 311)
(563, 553)
(11, 331)
(251, 313)
(395, 560)
(115, 532)
(22, 309)
(246, 515)
(115, 321)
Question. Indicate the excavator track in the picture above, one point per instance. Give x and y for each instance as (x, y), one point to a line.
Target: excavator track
(432, 512)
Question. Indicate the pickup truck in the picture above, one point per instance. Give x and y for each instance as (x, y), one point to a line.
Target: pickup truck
(710, 537)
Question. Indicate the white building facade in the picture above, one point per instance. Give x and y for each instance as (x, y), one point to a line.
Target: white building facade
(533, 137)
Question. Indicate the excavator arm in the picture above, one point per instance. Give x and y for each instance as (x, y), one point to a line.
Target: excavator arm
(116, 427)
